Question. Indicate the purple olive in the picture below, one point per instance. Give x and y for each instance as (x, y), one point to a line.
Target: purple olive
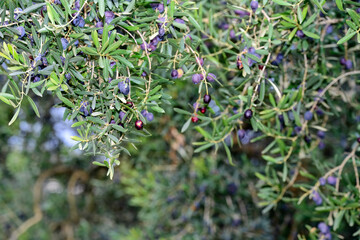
(254, 5)
(248, 114)
(124, 87)
(64, 43)
(21, 30)
(308, 115)
(207, 98)
(121, 115)
(300, 34)
(241, 133)
(323, 228)
(211, 77)
(161, 32)
(109, 16)
(242, 13)
(321, 134)
(348, 64)
(342, 61)
(329, 29)
(144, 46)
(196, 78)
(99, 25)
(322, 181)
(149, 116)
(68, 76)
(317, 198)
(174, 74)
(179, 20)
(331, 180)
(79, 22)
(231, 188)
(161, 8)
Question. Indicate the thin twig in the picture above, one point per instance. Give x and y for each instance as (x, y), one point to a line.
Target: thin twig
(292, 181)
(329, 173)
(356, 173)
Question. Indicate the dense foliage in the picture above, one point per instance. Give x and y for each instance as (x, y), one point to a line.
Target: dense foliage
(254, 100)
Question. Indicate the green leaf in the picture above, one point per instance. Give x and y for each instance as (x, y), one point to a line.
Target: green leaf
(158, 109)
(55, 14)
(299, 15)
(98, 164)
(288, 19)
(253, 57)
(153, 91)
(113, 138)
(102, 7)
(356, 233)
(270, 159)
(77, 75)
(90, 51)
(351, 24)
(33, 7)
(310, 34)
(262, 91)
(33, 105)
(194, 22)
(66, 6)
(347, 37)
(172, 9)
(268, 208)
(96, 120)
(178, 110)
(77, 124)
(339, 4)
(130, 7)
(262, 51)
(292, 34)
(281, 2)
(202, 148)
(319, 6)
(186, 125)
(119, 128)
(52, 88)
(235, 116)
(7, 96)
(254, 124)
(50, 11)
(95, 38)
(354, 16)
(113, 47)
(180, 25)
(338, 218)
(124, 61)
(76, 138)
(260, 176)
(304, 12)
(228, 154)
(4, 56)
(203, 132)
(309, 21)
(15, 116)
(5, 100)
